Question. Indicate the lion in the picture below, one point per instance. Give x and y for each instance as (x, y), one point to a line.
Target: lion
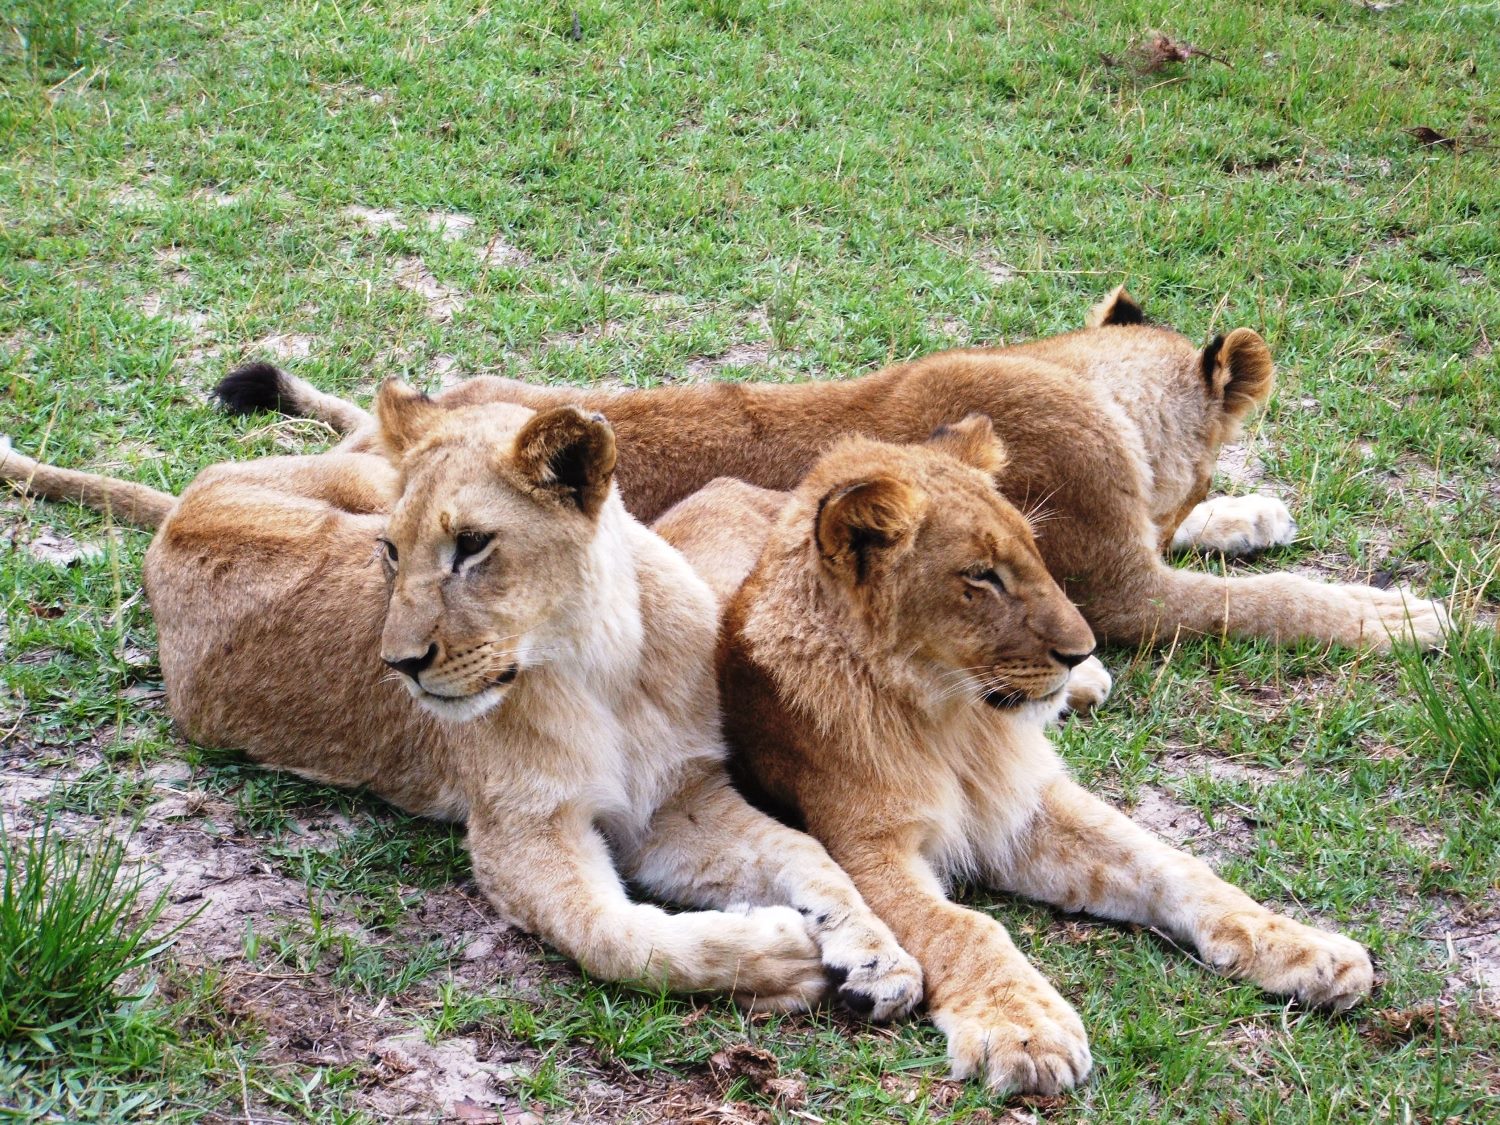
(1114, 431)
(887, 663)
(470, 625)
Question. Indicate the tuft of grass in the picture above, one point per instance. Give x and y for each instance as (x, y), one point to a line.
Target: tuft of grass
(1459, 701)
(72, 927)
(56, 33)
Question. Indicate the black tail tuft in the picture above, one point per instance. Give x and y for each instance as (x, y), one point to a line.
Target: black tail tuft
(255, 386)
(1125, 311)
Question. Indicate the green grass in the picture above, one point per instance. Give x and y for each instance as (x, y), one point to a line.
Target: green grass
(788, 188)
(73, 923)
(1460, 706)
(76, 930)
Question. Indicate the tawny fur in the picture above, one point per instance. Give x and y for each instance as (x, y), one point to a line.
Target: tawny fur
(887, 668)
(566, 709)
(1113, 432)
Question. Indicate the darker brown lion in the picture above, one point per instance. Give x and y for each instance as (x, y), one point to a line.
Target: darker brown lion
(887, 664)
(1113, 432)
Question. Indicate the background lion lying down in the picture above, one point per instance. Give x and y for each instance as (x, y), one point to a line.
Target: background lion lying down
(887, 667)
(1113, 433)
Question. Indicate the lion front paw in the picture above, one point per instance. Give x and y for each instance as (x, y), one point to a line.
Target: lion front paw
(779, 968)
(1089, 685)
(1024, 1038)
(881, 986)
(1236, 526)
(1281, 955)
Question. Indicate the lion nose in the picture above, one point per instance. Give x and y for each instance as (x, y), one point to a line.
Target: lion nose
(1071, 659)
(414, 665)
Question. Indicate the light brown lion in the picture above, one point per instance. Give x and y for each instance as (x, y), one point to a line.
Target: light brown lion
(1113, 433)
(887, 669)
(472, 626)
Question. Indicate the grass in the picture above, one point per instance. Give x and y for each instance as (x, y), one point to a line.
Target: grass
(76, 930)
(770, 189)
(73, 923)
(1460, 706)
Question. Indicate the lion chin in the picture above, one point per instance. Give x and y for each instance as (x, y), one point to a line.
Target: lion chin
(459, 708)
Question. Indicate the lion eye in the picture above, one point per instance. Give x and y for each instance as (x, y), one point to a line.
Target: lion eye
(986, 578)
(467, 544)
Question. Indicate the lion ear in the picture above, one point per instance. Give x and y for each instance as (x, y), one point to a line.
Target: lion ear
(568, 452)
(858, 523)
(404, 414)
(1118, 308)
(972, 441)
(1239, 371)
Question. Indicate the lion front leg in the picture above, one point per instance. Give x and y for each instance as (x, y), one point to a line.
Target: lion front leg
(707, 847)
(554, 877)
(1081, 854)
(1002, 1018)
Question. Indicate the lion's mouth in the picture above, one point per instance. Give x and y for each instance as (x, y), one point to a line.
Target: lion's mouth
(1013, 699)
(505, 678)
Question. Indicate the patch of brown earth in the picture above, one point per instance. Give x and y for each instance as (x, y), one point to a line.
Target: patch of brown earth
(1183, 826)
(738, 355)
(413, 275)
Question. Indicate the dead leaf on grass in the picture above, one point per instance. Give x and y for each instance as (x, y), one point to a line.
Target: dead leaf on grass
(1391, 1027)
(1157, 51)
(760, 1070)
(788, 1093)
(61, 550)
(744, 1060)
(1428, 136)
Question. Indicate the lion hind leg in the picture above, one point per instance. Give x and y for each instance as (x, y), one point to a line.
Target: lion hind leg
(1082, 855)
(1282, 607)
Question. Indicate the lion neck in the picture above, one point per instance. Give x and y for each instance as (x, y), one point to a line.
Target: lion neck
(593, 644)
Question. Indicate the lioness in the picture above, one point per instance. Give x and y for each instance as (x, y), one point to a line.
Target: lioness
(472, 626)
(1113, 432)
(886, 670)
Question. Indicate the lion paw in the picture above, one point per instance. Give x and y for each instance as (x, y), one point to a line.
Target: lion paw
(874, 976)
(779, 968)
(1281, 955)
(1089, 685)
(1236, 526)
(1399, 616)
(1025, 1039)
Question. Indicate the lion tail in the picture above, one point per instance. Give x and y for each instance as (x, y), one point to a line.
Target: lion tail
(264, 386)
(130, 503)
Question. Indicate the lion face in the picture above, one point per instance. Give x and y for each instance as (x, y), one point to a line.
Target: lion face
(942, 571)
(490, 544)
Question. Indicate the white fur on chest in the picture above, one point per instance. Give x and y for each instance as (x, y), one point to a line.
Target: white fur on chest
(998, 763)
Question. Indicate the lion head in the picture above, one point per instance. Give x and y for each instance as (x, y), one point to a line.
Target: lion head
(489, 548)
(919, 552)
(1186, 401)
